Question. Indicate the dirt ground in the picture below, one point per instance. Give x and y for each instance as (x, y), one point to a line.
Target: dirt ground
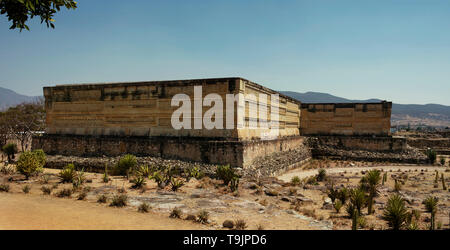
(264, 203)
(25, 212)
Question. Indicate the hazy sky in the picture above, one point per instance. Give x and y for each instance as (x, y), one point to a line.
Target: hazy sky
(394, 50)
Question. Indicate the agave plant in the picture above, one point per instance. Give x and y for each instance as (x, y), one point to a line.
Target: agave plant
(68, 173)
(431, 207)
(370, 182)
(144, 171)
(138, 181)
(395, 212)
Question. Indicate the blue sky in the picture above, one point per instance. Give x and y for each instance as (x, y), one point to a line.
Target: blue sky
(394, 50)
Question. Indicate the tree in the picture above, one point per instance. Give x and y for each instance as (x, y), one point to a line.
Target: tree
(24, 119)
(370, 183)
(431, 207)
(18, 11)
(10, 150)
(395, 212)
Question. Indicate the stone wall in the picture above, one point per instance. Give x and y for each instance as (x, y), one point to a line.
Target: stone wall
(372, 149)
(360, 119)
(197, 149)
(145, 109)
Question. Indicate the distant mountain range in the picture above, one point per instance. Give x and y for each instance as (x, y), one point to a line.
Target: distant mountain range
(402, 114)
(9, 98)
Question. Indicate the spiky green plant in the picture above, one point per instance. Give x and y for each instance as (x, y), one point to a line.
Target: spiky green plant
(358, 199)
(176, 213)
(234, 184)
(431, 207)
(176, 183)
(26, 189)
(126, 164)
(384, 178)
(337, 206)
(397, 186)
(295, 181)
(144, 171)
(321, 175)
(138, 181)
(225, 173)
(105, 177)
(160, 178)
(68, 173)
(395, 212)
(343, 195)
(203, 217)
(332, 193)
(431, 154)
(372, 181)
(195, 172)
(79, 179)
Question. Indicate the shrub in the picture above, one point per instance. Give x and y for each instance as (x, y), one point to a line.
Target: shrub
(102, 198)
(395, 212)
(45, 178)
(64, 193)
(260, 227)
(7, 170)
(240, 224)
(225, 173)
(138, 182)
(176, 183)
(143, 208)
(362, 223)
(203, 217)
(321, 175)
(10, 150)
(176, 213)
(30, 163)
(296, 181)
(431, 154)
(82, 196)
(125, 164)
(234, 185)
(119, 200)
(371, 182)
(191, 217)
(41, 157)
(4, 187)
(337, 206)
(68, 173)
(46, 190)
(26, 189)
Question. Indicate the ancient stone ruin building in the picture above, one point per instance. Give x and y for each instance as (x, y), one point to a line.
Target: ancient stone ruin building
(135, 117)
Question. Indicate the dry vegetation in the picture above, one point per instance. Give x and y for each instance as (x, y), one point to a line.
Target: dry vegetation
(398, 197)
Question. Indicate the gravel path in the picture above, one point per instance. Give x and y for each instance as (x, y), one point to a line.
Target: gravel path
(310, 172)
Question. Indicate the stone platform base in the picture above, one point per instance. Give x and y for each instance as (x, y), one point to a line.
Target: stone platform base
(373, 149)
(206, 150)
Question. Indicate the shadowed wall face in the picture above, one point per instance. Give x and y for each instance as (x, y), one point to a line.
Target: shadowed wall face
(365, 119)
